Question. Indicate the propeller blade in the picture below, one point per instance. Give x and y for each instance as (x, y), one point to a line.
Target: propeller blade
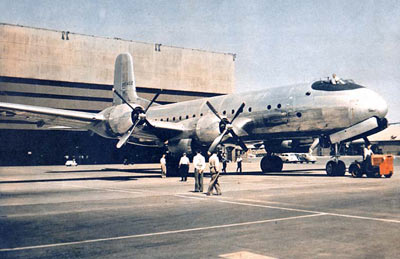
(217, 141)
(239, 111)
(213, 110)
(122, 98)
(122, 141)
(152, 101)
(239, 140)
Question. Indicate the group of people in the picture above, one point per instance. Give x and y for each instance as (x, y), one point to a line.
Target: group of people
(199, 163)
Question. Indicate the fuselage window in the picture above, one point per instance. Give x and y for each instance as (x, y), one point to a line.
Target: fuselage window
(194, 115)
(167, 119)
(187, 116)
(201, 114)
(224, 112)
(173, 118)
(269, 107)
(298, 114)
(233, 111)
(161, 119)
(308, 93)
(279, 106)
(180, 117)
(249, 109)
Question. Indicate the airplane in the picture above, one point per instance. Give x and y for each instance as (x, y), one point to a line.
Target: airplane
(329, 113)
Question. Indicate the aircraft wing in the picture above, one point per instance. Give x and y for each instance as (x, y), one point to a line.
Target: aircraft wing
(48, 117)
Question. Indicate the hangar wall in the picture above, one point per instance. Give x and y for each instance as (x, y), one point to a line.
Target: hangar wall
(73, 71)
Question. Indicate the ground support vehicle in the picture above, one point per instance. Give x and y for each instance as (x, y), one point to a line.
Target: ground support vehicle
(375, 167)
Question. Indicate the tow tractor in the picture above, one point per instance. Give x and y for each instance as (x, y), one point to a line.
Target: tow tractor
(379, 165)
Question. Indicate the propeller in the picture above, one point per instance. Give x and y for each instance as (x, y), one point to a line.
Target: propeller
(226, 127)
(139, 116)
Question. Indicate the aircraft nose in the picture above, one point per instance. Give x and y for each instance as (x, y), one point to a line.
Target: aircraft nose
(376, 105)
(369, 104)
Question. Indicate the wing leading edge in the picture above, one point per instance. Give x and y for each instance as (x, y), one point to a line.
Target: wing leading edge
(49, 117)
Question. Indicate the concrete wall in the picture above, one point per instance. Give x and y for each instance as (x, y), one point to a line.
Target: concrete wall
(42, 54)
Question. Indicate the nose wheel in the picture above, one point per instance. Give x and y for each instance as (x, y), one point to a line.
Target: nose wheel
(335, 168)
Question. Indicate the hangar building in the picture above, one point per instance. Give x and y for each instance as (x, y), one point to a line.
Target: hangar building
(67, 70)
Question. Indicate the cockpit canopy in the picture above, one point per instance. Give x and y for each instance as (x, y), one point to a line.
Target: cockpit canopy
(327, 85)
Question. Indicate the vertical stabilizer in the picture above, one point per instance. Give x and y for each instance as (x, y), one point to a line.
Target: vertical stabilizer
(124, 79)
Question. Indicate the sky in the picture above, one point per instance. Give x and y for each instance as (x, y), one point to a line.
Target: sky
(276, 42)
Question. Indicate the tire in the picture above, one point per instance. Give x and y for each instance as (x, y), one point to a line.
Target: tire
(270, 164)
(265, 165)
(330, 168)
(340, 168)
(277, 163)
(388, 175)
(355, 170)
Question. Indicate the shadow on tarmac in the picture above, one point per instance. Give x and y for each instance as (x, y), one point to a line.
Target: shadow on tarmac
(147, 170)
(305, 172)
(106, 178)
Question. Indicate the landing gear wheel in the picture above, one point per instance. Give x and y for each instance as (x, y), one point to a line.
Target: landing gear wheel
(340, 168)
(355, 170)
(330, 168)
(271, 164)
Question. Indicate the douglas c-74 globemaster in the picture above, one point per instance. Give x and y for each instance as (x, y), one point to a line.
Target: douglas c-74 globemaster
(327, 112)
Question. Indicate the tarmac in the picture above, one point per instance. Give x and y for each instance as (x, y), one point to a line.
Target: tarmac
(118, 211)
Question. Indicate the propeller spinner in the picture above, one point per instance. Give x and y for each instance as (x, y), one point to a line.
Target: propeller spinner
(138, 117)
(226, 127)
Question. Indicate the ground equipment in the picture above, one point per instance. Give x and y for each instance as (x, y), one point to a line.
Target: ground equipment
(376, 166)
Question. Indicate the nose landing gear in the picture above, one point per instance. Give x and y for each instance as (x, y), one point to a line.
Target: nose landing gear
(335, 167)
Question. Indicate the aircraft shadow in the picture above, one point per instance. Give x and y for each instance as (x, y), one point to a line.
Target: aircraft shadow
(297, 172)
(106, 178)
(148, 170)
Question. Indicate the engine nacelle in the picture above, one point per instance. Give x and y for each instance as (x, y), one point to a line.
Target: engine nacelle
(287, 146)
(207, 129)
(181, 146)
(119, 119)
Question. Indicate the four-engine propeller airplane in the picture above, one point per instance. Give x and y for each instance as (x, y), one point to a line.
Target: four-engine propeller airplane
(330, 113)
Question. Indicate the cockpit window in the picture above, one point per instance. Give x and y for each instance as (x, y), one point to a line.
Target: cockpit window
(328, 86)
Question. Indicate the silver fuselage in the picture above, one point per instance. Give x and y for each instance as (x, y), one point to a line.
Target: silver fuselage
(276, 113)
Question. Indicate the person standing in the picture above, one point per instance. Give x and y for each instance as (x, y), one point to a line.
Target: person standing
(239, 164)
(367, 156)
(224, 163)
(199, 163)
(184, 167)
(163, 163)
(214, 170)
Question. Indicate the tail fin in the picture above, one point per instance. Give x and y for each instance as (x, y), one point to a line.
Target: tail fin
(124, 79)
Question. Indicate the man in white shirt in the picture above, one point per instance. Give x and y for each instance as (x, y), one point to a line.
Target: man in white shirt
(239, 164)
(367, 156)
(163, 163)
(184, 167)
(367, 152)
(214, 170)
(199, 163)
(336, 80)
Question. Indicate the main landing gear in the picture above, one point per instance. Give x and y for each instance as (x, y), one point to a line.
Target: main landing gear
(271, 163)
(335, 167)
